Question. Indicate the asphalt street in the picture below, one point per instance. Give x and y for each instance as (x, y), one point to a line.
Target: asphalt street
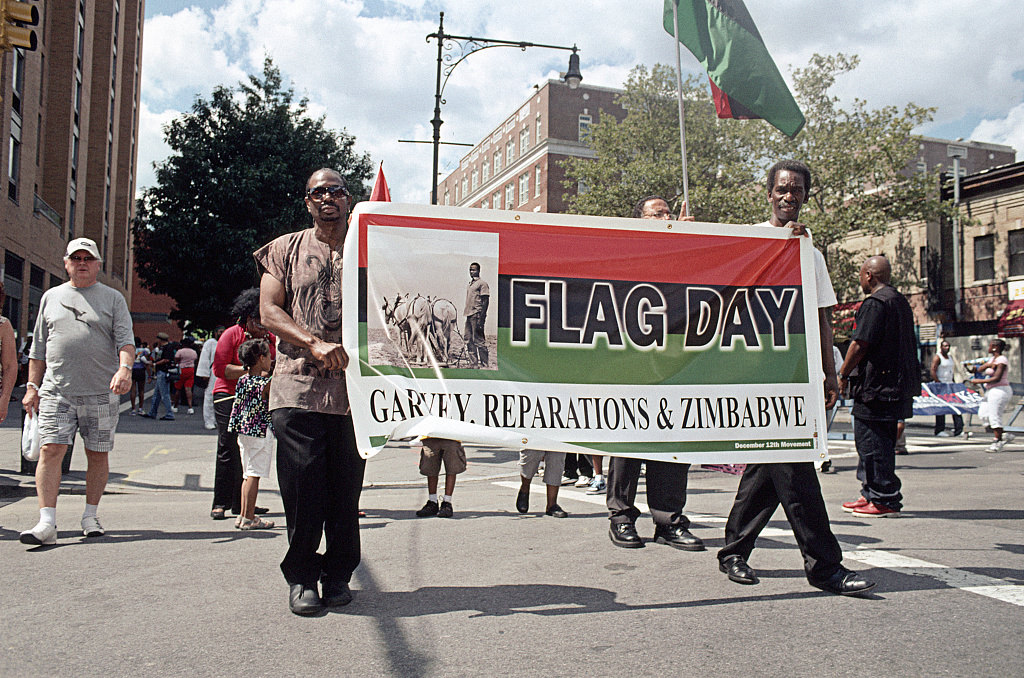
(169, 592)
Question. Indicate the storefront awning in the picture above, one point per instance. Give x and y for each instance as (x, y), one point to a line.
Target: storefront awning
(1011, 322)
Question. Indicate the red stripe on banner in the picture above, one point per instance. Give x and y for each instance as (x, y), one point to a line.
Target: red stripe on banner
(609, 254)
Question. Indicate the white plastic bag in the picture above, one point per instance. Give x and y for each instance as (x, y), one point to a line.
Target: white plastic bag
(30, 437)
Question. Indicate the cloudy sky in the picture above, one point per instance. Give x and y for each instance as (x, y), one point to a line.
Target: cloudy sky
(366, 65)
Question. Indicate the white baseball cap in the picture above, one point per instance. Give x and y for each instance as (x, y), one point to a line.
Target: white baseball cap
(83, 244)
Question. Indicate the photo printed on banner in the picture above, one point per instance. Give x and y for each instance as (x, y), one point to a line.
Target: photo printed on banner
(432, 298)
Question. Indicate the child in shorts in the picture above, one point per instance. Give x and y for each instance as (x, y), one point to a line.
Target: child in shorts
(433, 452)
(250, 418)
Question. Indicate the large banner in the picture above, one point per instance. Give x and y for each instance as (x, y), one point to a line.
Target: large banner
(946, 398)
(662, 340)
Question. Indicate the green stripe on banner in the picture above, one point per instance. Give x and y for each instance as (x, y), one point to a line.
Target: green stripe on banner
(377, 441)
(535, 363)
(702, 445)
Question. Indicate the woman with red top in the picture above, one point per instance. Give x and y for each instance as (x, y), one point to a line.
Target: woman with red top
(227, 368)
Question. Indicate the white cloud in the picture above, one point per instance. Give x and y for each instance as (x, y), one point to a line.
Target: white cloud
(1008, 130)
(152, 147)
(367, 65)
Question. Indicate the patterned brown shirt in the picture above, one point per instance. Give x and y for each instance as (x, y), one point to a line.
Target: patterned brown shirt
(311, 275)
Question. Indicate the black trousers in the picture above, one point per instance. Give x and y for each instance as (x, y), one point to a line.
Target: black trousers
(577, 465)
(794, 485)
(876, 461)
(666, 491)
(320, 474)
(227, 473)
(940, 424)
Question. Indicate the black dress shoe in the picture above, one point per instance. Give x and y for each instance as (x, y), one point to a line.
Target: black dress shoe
(843, 583)
(678, 537)
(625, 536)
(738, 570)
(523, 502)
(336, 593)
(555, 511)
(304, 600)
(260, 510)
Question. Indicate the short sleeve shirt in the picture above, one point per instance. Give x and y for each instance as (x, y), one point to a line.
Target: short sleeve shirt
(186, 358)
(78, 333)
(249, 413)
(311, 275)
(477, 289)
(822, 281)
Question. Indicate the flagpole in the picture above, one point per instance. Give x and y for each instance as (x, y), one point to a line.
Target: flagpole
(682, 109)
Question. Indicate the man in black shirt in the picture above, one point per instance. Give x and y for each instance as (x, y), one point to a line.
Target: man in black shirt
(882, 369)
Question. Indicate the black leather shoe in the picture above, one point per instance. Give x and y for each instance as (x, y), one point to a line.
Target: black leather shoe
(555, 511)
(625, 536)
(260, 510)
(843, 583)
(336, 593)
(678, 537)
(304, 600)
(429, 509)
(523, 502)
(738, 571)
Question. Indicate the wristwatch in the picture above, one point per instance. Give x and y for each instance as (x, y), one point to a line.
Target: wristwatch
(126, 366)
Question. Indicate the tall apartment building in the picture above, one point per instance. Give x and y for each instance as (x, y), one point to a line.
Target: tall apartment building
(69, 125)
(518, 165)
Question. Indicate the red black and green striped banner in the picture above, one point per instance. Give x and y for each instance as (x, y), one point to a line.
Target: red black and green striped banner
(662, 340)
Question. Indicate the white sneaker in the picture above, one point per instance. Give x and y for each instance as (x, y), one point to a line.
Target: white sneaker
(132, 412)
(174, 409)
(91, 527)
(191, 411)
(584, 481)
(1008, 437)
(43, 534)
(996, 446)
(944, 434)
(210, 427)
(597, 486)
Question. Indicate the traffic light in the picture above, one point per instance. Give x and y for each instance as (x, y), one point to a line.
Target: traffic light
(12, 34)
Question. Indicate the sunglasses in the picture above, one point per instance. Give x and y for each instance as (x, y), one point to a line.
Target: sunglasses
(321, 192)
(85, 259)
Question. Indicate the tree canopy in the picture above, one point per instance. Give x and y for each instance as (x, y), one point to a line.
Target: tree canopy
(235, 180)
(858, 158)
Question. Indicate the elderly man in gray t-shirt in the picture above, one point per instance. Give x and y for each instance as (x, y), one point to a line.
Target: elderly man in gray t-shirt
(81, 361)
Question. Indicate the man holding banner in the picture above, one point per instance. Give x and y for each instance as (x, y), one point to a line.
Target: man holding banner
(319, 468)
(793, 484)
(666, 480)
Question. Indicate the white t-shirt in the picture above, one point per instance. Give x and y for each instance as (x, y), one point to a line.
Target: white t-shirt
(205, 366)
(826, 294)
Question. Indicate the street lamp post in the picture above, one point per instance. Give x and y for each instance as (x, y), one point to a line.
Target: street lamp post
(467, 45)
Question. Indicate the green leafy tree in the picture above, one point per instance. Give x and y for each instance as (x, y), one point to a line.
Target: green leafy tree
(858, 157)
(234, 182)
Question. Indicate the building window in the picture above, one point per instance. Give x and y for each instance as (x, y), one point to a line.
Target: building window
(510, 152)
(465, 187)
(524, 187)
(536, 181)
(18, 84)
(509, 190)
(524, 140)
(537, 130)
(584, 129)
(1016, 251)
(923, 263)
(922, 167)
(14, 162)
(475, 179)
(497, 162)
(496, 200)
(485, 171)
(446, 198)
(484, 205)
(984, 257)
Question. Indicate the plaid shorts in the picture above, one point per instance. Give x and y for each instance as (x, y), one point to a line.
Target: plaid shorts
(94, 416)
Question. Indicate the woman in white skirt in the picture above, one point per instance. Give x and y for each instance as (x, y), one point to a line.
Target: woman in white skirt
(997, 393)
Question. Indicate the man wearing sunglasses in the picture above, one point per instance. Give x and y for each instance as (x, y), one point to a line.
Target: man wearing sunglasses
(319, 469)
(80, 363)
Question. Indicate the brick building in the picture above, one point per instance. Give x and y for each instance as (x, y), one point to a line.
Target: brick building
(518, 165)
(69, 125)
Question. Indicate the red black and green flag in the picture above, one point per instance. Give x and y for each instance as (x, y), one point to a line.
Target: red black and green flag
(745, 83)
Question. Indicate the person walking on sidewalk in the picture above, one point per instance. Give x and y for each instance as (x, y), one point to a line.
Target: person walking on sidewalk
(997, 393)
(204, 377)
(162, 361)
(319, 469)
(79, 365)
(884, 375)
(250, 419)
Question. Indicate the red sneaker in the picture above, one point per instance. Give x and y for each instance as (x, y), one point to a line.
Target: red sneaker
(850, 506)
(873, 510)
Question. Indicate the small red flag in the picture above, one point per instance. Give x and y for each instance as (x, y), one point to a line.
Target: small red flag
(380, 187)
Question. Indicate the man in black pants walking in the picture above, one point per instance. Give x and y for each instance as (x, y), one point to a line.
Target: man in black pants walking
(794, 485)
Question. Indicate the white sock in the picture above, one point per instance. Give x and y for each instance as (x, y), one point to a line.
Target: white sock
(432, 497)
(48, 515)
(90, 510)
(447, 498)
(599, 477)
